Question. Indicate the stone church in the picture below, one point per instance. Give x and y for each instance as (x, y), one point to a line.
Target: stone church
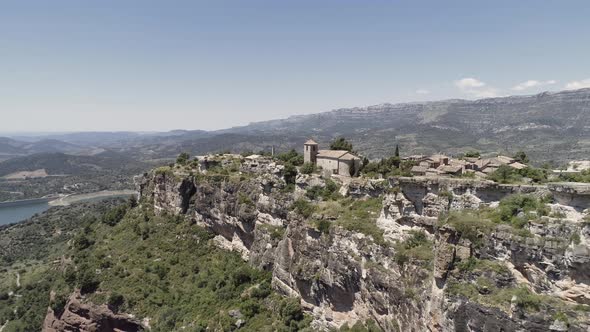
(340, 162)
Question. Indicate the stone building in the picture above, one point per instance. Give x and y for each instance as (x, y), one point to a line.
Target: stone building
(339, 162)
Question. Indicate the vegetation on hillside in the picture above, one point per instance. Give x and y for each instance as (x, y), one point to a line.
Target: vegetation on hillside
(152, 266)
(583, 176)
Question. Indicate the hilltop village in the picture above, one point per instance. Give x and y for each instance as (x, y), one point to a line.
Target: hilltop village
(341, 160)
(441, 165)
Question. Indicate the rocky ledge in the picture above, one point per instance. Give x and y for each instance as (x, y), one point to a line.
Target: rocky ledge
(80, 316)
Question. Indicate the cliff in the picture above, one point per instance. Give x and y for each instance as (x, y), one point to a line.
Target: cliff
(409, 254)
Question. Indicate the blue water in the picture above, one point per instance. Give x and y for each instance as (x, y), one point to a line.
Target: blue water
(10, 214)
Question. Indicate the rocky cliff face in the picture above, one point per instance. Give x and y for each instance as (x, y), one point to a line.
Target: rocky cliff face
(455, 279)
(80, 316)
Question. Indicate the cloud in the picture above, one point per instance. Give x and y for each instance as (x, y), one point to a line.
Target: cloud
(531, 84)
(422, 91)
(469, 83)
(476, 88)
(574, 85)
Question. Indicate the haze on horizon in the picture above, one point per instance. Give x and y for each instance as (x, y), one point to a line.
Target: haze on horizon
(150, 66)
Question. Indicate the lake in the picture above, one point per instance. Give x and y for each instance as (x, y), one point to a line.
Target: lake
(10, 213)
(18, 211)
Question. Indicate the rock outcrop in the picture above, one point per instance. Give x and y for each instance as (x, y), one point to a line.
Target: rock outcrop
(343, 276)
(86, 317)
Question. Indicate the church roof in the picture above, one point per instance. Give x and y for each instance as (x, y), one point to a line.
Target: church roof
(310, 142)
(336, 154)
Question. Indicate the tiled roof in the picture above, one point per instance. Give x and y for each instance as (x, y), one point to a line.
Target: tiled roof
(518, 165)
(450, 169)
(336, 154)
(505, 160)
(310, 142)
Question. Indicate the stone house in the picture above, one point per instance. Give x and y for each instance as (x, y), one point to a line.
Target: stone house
(340, 162)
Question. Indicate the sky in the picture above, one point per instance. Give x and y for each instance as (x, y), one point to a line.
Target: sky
(146, 65)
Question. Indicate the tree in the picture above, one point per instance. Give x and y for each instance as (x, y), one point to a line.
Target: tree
(472, 154)
(182, 158)
(290, 173)
(504, 174)
(396, 154)
(292, 157)
(341, 144)
(521, 157)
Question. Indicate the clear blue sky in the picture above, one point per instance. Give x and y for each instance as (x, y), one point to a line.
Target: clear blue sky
(160, 65)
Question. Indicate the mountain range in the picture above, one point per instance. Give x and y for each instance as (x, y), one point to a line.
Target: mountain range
(550, 126)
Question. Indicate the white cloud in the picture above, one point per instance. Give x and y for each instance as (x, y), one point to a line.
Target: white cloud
(476, 88)
(469, 83)
(531, 84)
(422, 91)
(574, 85)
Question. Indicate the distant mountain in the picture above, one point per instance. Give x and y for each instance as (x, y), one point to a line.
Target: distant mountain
(10, 148)
(61, 164)
(549, 126)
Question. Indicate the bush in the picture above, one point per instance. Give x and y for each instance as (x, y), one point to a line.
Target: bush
(87, 280)
(82, 242)
(505, 174)
(303, 208)
(417, 247)
(290, 310)
(511, 206)
(328, 192)
(469, 224)
(307, 168)
(290, 173)
(521, 157)
(183, 158)
(114, 215)
(323, 226)
(115, 300)
(59, 303)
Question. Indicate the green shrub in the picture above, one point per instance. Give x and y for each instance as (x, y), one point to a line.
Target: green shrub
(323, 226)
(416, 248)
(87, 280)
(446, 194)
(183, 158)
(290, 173)
(469, 224)
(304, 208)
(307, 168)
(113, 216)
(115, 300)
(59, 303)
(328, 192)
